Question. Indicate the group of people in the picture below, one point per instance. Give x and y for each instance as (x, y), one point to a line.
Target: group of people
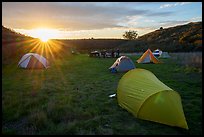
(112, 54)
(105, 54)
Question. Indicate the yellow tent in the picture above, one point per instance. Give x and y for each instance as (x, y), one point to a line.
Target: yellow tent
(148, 57)
(146, 97)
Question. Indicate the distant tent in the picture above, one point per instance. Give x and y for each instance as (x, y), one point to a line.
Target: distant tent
(148, 57)
(164, 55)
(157, 52)
(122, 64)
(146, 97)
(74, 51)
(33, 60)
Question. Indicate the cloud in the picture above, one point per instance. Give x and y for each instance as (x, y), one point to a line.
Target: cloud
(95, 33)
(72, 16)
(196, 19)
(173, 5)
(161, 14)
(130, 21)
(149, 20)
(170, 23)
(166, 5)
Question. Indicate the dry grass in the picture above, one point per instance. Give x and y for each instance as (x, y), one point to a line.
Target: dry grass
(189, 59)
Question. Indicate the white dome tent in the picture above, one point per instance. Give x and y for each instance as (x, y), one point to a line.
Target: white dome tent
(33, 60)
(122, 64)
(164, 55)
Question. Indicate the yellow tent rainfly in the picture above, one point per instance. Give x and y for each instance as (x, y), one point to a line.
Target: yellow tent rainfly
(146, 97)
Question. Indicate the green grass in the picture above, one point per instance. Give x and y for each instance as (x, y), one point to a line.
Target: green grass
(71, 97)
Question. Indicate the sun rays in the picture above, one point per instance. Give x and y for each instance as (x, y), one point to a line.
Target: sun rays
(48, 49)
(43, 44)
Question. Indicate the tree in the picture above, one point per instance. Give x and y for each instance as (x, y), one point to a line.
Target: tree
(130, 35)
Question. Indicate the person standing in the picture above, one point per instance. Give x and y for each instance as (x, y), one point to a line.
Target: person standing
(112, 53)
(103, 53)
(118, 53)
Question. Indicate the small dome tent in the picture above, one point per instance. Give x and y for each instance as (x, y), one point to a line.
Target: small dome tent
(164, 55)
(148, 57)
(146, 97)
(122, 64)
(33, 60)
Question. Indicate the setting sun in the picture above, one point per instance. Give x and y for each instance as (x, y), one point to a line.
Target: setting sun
(44, 39)
(44, 34)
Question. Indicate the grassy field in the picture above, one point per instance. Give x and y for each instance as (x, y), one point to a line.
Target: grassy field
(72, 97)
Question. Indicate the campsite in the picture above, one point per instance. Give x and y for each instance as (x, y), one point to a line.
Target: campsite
(72, 97)
(101, 78)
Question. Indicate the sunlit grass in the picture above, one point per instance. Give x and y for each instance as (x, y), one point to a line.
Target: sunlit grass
(71, 97)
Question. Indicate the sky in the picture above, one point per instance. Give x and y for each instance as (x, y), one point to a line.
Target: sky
(83, 20)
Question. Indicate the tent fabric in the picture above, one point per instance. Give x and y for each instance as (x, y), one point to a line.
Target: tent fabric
(122, 64)
(141, 93)
(164, 55)
(33, 60)
(148, 57)
(157, 52)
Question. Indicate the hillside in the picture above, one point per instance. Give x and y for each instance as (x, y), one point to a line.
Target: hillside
(179, 38)
(9, 35)
(11, 44)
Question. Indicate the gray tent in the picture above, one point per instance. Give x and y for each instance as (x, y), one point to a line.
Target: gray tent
(122, 64)
(33, 60)
(164, 55)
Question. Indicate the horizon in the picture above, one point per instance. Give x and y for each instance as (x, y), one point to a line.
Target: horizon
(97, 38)
(98, 20)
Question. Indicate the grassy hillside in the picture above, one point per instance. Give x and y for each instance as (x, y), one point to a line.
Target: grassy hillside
(72, 97)
(9, 35)
(186, 37)
(11, 41)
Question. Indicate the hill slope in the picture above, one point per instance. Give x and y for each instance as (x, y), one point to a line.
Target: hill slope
(12, 44)
(9, 35)
(179, 38)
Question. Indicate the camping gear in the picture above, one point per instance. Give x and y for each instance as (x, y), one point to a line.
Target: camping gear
(146, 97)
(148, 57)
(33, 60)
(113, 95)
(74, 51)
(164, 55)
(122, 64)
(94, 54)
(157, 52)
